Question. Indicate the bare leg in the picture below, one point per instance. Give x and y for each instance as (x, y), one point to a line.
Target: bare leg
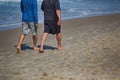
(58, 37)
(35, 42)
(43, 39)
(22, 36)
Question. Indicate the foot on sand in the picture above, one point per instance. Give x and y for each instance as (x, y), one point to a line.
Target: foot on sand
(19, 50)
(36, 48)
(41, 51)
(60, 48)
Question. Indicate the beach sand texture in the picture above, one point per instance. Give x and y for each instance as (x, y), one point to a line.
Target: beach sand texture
(91, 52)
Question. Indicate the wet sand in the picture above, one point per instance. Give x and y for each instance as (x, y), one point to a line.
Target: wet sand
(92, 52)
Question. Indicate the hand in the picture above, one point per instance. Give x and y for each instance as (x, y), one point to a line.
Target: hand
(36, 25)
(59, 22)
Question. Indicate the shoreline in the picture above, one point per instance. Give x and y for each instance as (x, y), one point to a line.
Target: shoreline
(92, 47)
(64, 19)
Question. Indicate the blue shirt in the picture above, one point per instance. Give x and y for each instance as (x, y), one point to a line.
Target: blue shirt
(29, 10)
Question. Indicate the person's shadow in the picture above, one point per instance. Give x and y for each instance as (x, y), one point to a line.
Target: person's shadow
(46, 47)
(26, 47)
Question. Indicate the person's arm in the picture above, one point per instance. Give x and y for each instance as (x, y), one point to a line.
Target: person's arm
(35, 11)
(58, 12)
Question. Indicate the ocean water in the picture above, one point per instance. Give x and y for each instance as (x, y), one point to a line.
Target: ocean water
(10, 14)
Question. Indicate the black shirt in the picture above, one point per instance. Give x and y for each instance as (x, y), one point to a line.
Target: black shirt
(49, 8)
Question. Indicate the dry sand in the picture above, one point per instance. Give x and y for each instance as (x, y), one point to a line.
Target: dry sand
(92, 52)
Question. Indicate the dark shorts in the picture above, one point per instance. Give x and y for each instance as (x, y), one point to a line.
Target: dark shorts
(51, 28)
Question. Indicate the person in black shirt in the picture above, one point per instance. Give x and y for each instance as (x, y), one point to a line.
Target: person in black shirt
(52, 21)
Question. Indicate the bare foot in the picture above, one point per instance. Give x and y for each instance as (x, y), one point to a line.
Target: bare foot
(60, 48)
(36, 48)
(19, 50)
(41, 51)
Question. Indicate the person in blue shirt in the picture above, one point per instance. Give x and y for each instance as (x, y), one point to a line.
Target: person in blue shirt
(29, 11)
(52, 21)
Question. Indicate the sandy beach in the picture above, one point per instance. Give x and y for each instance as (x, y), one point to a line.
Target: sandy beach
(91, 52)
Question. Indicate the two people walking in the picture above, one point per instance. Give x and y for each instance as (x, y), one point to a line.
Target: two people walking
(52, 22)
